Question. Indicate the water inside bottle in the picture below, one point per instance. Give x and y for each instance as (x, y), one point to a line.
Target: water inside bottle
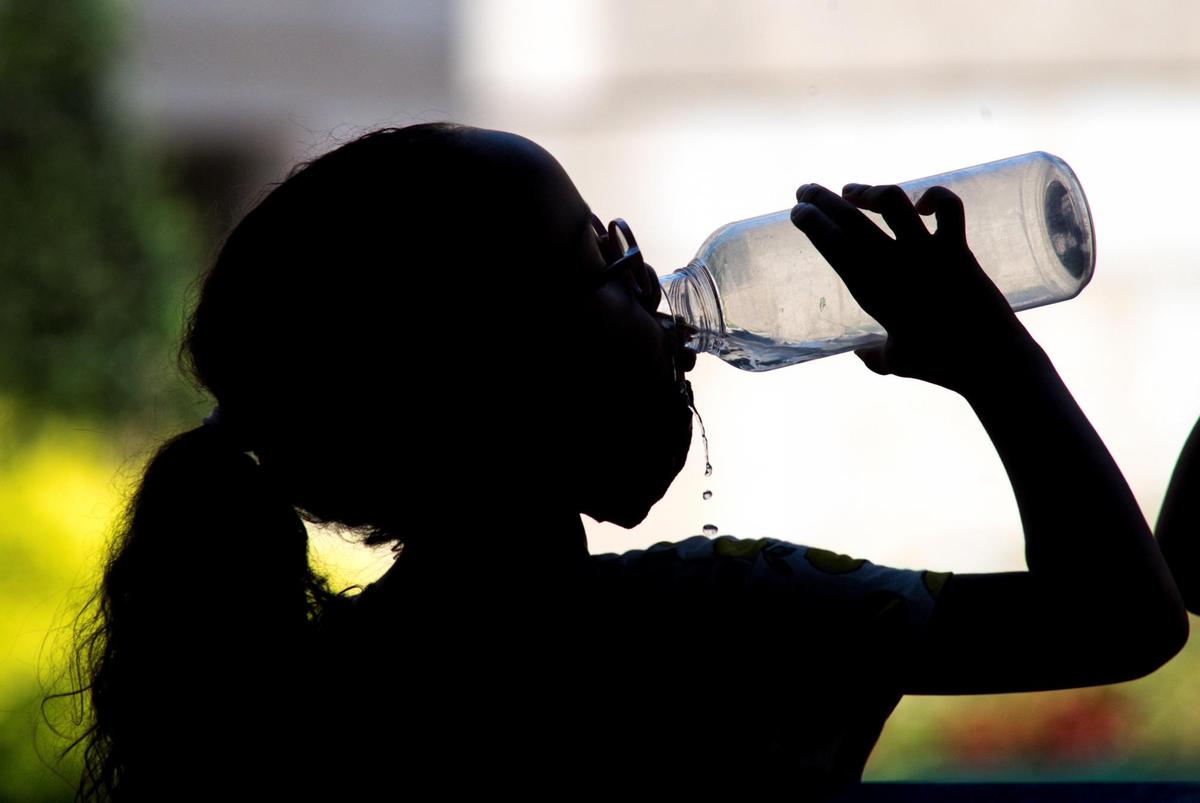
(752, 352)
(691, 293)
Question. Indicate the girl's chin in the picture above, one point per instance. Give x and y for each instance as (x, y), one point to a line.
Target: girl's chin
(626, 519)
(633, 509)
(646, 490)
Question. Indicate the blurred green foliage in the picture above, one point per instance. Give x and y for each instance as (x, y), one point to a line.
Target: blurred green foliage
(96, 252)
(95, 249)
(59, 494)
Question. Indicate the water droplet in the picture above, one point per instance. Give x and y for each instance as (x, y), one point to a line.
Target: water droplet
(703, 437)
(710, 529)
(707, 495)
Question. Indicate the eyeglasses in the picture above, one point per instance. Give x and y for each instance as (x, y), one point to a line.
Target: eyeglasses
(624, 260)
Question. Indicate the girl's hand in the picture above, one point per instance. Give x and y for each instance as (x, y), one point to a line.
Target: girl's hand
(946, 321)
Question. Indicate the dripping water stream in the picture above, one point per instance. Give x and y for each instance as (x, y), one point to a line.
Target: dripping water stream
(708, 529)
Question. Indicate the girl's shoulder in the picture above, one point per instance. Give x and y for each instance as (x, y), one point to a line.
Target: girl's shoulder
(768, 566)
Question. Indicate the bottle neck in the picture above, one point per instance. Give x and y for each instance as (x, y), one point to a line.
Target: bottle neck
(692, 295)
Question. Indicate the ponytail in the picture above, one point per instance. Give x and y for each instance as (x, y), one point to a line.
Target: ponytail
(192, 653)
(193, 649)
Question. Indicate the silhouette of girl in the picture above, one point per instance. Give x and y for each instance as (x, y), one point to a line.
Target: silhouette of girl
(426, 337)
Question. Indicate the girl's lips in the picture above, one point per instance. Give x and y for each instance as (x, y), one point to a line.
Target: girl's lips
(678, 335)
(685, 359)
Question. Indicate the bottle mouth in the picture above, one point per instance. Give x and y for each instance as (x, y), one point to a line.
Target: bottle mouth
(689, 294)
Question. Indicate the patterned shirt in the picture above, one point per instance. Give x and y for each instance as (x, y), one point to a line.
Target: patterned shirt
(707, 663)
(799, 650)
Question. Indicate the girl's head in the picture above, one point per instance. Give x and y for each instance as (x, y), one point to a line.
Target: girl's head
(416, 304)
(411, 333)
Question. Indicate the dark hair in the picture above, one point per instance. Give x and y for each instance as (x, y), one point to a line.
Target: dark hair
(207, 606)
(200, 619)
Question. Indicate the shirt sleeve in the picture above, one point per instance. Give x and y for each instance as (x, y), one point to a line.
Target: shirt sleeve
(773, 577)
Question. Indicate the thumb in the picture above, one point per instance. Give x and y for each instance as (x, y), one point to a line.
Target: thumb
(875, 358)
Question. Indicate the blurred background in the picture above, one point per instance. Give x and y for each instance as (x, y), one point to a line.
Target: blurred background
(134, 133)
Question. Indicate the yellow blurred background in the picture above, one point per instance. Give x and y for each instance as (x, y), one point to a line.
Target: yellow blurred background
(681, 116)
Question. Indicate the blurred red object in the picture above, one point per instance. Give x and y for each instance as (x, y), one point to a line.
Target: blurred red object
(1067, 728)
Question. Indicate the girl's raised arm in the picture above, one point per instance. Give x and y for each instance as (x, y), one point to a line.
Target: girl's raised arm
(1097, 604)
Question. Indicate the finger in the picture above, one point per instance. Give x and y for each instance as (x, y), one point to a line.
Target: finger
(839, 210)
(826, 236)
(948, 209)
(874, 358)
(892, 203)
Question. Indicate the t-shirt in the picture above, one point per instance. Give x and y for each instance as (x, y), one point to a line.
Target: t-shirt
(806, 645)
(753, 663)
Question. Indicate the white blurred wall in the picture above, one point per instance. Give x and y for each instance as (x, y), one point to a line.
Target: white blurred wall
(681, 115)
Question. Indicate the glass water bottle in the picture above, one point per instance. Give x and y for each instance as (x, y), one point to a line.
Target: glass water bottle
(763, 297)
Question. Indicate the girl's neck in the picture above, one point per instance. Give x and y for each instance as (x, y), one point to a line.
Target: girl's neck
(496, 544)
